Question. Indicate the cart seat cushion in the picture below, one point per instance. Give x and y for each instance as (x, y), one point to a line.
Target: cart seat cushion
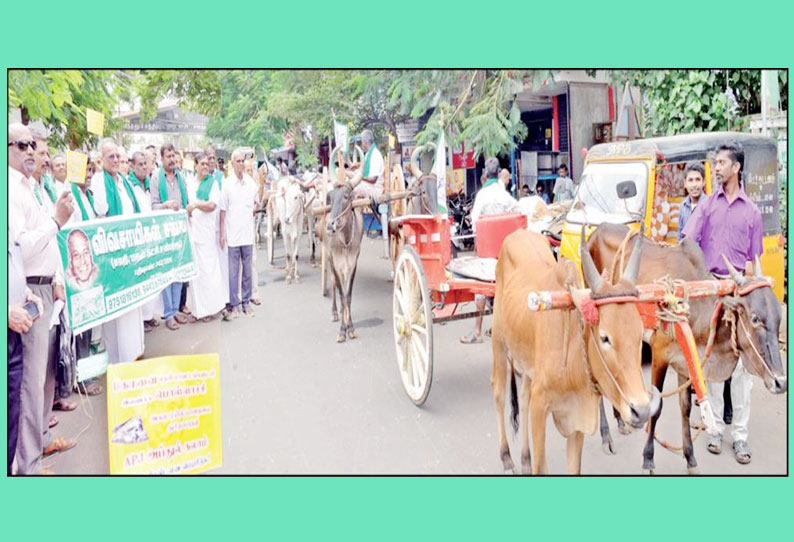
(483, 269)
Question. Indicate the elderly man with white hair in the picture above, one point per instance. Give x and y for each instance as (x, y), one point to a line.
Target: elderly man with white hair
(372, 175)
(114, 196)
(239, 199)
(34, 232)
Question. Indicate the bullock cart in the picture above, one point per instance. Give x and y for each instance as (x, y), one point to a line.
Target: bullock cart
(429, 286)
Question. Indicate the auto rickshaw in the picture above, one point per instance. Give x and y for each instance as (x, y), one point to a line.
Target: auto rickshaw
(656, 167)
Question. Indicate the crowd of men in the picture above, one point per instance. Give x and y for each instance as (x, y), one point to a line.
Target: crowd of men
(221, 209)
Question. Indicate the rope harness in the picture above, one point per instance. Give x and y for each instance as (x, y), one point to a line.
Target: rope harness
(673, 309)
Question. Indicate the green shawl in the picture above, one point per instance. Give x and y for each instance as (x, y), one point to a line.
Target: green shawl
(367, 159)
(114, 200)
(79, 199)
(205, 187)
(49, 186)
(164, 188)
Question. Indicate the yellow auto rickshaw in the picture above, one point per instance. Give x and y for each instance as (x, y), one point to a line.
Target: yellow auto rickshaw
(656, 167)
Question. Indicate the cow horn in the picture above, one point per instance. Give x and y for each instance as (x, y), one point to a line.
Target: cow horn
(633, 267)
(417, 171)
(735, 275)
(592, 278)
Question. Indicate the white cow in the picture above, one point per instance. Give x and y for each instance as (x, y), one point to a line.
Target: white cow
(289, 204)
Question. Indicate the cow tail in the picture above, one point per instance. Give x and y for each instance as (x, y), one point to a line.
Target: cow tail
(513, 400)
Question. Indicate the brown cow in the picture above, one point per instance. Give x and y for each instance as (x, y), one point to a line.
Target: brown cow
(559, 375)
(341, 230)
(757, 313)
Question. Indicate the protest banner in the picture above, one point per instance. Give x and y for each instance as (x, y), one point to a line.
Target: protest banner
(113, 265)
(76, 165)
(164, 415)
(95, 121)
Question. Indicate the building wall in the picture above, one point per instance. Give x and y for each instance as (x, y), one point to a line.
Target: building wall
(589, 103)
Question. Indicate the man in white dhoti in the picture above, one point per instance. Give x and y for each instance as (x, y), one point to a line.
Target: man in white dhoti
(114, 196)
(209, 290)
(223, 250)
(139, 179)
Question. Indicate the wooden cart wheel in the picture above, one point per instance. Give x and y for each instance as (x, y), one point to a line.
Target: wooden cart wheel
(413, 326)
(271, 234)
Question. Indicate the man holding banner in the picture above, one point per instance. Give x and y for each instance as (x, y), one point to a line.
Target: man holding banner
(169, 192)
(114, 196)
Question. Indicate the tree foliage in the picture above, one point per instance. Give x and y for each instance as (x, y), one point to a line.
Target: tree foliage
(478, 105)
(684, 101)
(59, 99)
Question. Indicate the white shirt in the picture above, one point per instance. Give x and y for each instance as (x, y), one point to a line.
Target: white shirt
(101, 198)
(376, 166)
(60, 186)
(563, 189)
(239, 198)
(492, 200)
(34, 230)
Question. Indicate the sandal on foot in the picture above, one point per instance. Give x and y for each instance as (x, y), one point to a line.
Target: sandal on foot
(741, 452)
(715, 444)
(59, 444)
(53, 421)
(172, 324)
(471, 338)
(64, 405)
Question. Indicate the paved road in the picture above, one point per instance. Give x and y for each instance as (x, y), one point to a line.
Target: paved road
(296, 402)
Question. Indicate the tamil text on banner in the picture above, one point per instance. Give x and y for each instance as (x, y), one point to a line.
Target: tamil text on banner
(341, 136)
(113, 265)
(440, 169)
(95, 122)
(76, 165)
(164, 415)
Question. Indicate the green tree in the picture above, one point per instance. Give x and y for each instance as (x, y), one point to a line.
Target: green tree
(684, 101)
(59, 99)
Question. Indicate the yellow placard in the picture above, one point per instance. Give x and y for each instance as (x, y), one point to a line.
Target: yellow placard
(76, 164)
(392, 141)
(164, 415)
(95, 121)
(456, 182)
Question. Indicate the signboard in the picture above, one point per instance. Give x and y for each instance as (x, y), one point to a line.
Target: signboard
(95, 121)
(341, 136)
(76, 164)
(462, 158)
(113, 265)
(456, 181)
(164, 415)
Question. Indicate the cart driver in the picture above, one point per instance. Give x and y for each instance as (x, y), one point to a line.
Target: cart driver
(372, 175)
(492, 199)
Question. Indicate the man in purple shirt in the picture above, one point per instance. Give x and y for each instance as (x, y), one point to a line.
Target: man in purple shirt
(728, 223)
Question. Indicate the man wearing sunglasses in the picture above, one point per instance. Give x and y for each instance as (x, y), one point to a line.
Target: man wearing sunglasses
(35, 232)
